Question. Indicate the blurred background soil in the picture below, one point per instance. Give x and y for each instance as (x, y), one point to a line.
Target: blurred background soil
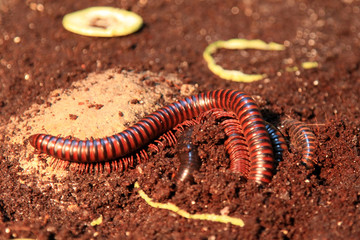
(38, 56)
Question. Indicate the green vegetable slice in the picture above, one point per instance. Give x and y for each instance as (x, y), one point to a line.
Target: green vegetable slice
(236, 75)
(102, 22)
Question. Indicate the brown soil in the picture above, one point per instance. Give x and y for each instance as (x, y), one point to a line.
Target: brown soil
(37, 56)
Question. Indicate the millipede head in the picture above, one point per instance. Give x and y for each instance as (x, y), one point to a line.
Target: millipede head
(32, 139)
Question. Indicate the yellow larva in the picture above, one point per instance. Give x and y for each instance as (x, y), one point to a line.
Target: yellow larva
(183, 213)
(235, 75)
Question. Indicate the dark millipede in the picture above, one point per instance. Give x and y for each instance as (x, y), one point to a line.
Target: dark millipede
(303, 138)
(188, 155)
(278, 141)
(132, 139)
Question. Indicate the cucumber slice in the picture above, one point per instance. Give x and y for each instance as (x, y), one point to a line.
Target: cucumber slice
(102, 22)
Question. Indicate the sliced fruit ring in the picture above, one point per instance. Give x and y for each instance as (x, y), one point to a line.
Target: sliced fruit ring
(102, 22)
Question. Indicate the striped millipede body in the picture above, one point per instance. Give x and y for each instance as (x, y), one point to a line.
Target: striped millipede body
(119, 145)
(303, 138)
(236, 147)
(278, 141)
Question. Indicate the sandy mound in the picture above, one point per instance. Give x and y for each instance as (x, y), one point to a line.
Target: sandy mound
(100, 105)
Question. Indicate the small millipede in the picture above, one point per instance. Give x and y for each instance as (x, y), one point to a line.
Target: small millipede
(134, 138)
(188, 155)
(304, 138)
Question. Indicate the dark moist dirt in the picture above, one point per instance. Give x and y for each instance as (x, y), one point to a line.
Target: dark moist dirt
(37, 56)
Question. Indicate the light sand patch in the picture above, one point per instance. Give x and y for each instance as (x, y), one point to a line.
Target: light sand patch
(98, 106)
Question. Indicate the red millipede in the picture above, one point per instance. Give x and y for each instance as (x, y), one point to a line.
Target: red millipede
(119, 145)
(236, 146)
(304, 139)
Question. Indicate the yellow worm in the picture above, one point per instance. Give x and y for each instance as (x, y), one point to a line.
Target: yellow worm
(236, 75)
(183, 213)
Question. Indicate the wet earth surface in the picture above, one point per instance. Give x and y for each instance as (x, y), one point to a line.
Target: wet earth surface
(37, 56)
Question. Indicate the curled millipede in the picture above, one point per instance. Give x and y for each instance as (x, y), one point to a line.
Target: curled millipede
(235, 144)
(133, 139)
(304, 138)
